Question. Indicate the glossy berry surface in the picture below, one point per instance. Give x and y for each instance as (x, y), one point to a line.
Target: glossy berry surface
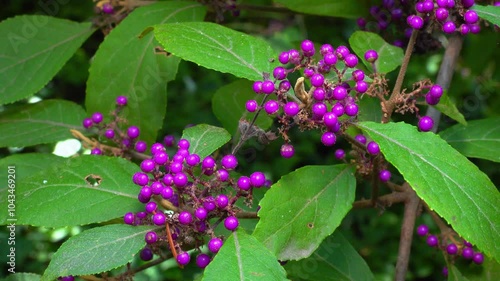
(231, 223)
(110, 134)
(97, 117)
(121, 100)
(201, 213)
(185, 217)
(221, 200)
(159, 219)
(432, 240)
(271, 106)
(425, 123)
(291, 108)
(422, 230)
(214, 245)
(467, 253)
(202, 260)
(183, 258)
(452, 249)
(257, 179)
(87, 123)
(478, 258)
(384, 175)
(244, 183)
(287, 150)
(151, 237)
(328, 138)
(339, 154)
(229, 162)
(371, 56)
(373, 148)
(146, 254)
(133, 132)
(129, 218)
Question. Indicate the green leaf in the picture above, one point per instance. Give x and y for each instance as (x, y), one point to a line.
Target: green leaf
(97, 250)
(228, 105)
(449, 108)
(445, 179)
(43, 122)
(27, 164)
(127, 65)
(34, 48)
(205, 139)
(389, 57)
(303, 208)
(217, 47)
(334, 260)
(488, 271)
(489, 13)
(329, 8)
(369, 109)
(22, 276)
(479, 139)
(242, 257)
(85, 189)
(454, 274)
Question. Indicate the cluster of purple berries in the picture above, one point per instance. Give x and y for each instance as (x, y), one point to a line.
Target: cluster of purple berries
(465, 250)
(451, 15)
(328, 103)
(194, 190)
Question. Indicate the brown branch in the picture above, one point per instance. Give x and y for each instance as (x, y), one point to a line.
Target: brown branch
(412, 203)
(385, 200)
(391, 103)
(246, 215)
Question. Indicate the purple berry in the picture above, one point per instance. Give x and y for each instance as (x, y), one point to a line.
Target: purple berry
(279, 73)
(436, 91)
(202, 260)
(244, 183)
(445, 271)
(109, 134)
(160, 158)
(294, 56)
(478, 258)
(441, 14)
(449, 27)
(167, 192)
(358, 75)
(133, 132)
(222, 175)
(361, 87)
(214, 245)
(251, 105)
(146, 254)
(151, 207)
(107, 8)
(257, 87)
(156, 188)
(325, 49)
(271, 106)
(121, 100)
(467, 253)
(384, 175)
(168, 179)
(422, 230)
(257, 179)
(284, 86)
(317, 80)
(87, 123)
(342, 52)
(175, 167)
(351, 60)
(351, 109)
(432, 240)
(319, 109)
(330, 59)
(140, 179)
(66, 278)
(129, 218)
(159, 218)
(169, 140)
(231, 223)
(416, 22)
(146, 193)
(180, 179)
(464, 29)
(442, 3)
(157, 147)
(268, 87)
(222, 201)
(307, 47)
(339, 154)
(284, 57)
(373, 148)
(229, 162)
(361, 22)
(319, 94)
(371, 56)
(201, 213)
(425, 123)
(360, 138)
(183, 144)
(339, 93)
(209, 203)
(183, 258)
(185, 217)
(287, 150)
(193, 159)
(474, 28)
(452, 249)
(291, 108)
(147, 165)
(430, 100)
(151, 237)
(338, 109)
(97, 117)
(96, 151)
(328, 138)
(471, 17)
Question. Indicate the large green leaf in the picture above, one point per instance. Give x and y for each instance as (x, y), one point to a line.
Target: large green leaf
(34, 48)
(228, 105)
(449, 108)
(43, 122)
(334, 260)
(96, 250)
(242, 257)
(217, 47)
(205, 139)
(488, 271)
(390, 57)
(454, 274)
(445, 179)
(83, 190)
(128, 65)
(479, 139)
(27, 164)
(303, 208)
(329, 8)
(489, 13)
